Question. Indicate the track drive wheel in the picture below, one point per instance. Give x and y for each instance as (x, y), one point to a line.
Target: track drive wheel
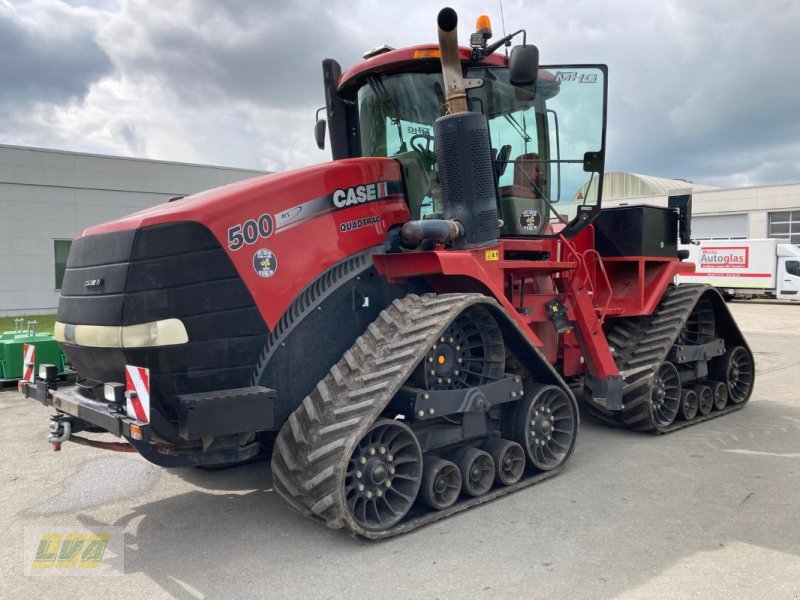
(470, 352)
(545, 424)
(705, 399)
(441, 483)
(477, 470)
(699, 326)
(383, 475)
(688, 410)
(720, 393)
(509, 460)
(735, 369)
(665, 394)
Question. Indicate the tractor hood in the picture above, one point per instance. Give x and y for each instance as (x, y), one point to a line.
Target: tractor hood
(303, 221)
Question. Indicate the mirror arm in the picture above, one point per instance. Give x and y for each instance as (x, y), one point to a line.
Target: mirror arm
(319, 130)
(492, 47)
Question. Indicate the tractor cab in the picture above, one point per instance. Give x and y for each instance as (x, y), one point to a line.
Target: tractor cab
(547, 136)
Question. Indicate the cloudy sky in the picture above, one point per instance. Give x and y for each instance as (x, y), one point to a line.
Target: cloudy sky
(699, 89)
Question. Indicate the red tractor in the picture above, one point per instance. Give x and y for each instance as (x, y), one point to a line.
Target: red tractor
(404, 328)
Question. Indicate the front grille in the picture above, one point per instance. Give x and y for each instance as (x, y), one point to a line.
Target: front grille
(176, 270)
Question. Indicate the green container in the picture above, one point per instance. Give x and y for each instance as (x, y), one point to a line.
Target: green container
(11, 353)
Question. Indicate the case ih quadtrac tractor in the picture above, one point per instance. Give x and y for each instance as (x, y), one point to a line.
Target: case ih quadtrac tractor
(405, 328)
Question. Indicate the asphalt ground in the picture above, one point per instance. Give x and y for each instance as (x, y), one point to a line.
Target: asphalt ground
(712, 511)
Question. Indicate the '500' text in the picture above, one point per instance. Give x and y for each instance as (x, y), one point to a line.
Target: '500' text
(250, 231)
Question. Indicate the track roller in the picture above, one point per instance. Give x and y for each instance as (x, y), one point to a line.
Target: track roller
(477, 470)
(720, 393)
(689, 402)
(441, 483)
(509, 460)
(705, 399)
(735, 369)
(545, 425)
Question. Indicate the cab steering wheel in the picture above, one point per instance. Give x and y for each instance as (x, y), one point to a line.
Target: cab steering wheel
(422, 143)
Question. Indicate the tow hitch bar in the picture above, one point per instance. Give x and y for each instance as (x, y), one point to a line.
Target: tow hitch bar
(60, 430)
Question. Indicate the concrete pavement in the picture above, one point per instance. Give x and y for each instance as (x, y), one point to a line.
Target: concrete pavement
(711, 511)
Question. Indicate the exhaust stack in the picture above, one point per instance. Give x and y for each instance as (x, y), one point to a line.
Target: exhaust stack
(464, 158)
(464, 150)
(455, 94)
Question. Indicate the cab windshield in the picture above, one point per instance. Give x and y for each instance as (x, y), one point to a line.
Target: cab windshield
(547, 140)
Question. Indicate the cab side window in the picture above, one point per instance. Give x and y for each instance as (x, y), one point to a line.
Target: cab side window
(793, 267)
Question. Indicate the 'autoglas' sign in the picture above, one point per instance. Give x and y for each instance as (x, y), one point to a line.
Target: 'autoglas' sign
(731, 257)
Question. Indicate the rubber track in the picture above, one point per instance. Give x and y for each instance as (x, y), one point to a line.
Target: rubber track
(640, 345)
(313, 448)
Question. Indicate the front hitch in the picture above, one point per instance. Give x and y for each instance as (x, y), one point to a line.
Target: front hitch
(60, 430)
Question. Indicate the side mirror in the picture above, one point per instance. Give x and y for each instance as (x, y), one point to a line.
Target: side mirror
(681, 200)
(319, 133)
(523, 65)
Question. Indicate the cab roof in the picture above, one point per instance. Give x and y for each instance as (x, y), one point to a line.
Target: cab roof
(412, 59)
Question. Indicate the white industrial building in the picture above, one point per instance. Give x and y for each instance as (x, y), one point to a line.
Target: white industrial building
(47, 196)
(769, 211)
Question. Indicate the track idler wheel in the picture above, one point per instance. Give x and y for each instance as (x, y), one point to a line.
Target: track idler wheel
(383, 475)
(545, 424)
(705, 399)
(735, 369)
(441, 483)
(720, 393)
(477, 470)
(665, 394)
(509, 460)
(689, 404)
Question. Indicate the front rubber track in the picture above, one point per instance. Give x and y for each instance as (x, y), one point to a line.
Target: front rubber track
(640, 344)
(311, 454)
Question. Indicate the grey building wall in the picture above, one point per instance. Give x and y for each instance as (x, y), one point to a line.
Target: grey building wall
(48, 195)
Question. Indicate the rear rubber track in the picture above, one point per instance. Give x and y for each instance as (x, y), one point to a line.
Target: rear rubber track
(640, 344)
(312, 450)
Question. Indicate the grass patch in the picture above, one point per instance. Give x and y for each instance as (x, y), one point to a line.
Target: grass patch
(44, 323)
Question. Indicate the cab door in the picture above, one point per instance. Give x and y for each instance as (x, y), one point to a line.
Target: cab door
(789, 279)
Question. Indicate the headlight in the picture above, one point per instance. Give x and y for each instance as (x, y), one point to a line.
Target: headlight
(166, 332)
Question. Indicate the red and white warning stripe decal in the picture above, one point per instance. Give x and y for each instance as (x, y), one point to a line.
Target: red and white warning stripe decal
(28, 362)
(137, 393)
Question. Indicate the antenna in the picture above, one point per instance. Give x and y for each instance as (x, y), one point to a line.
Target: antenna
(503, 22)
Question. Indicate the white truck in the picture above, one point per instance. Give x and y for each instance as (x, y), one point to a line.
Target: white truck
(746, 268)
